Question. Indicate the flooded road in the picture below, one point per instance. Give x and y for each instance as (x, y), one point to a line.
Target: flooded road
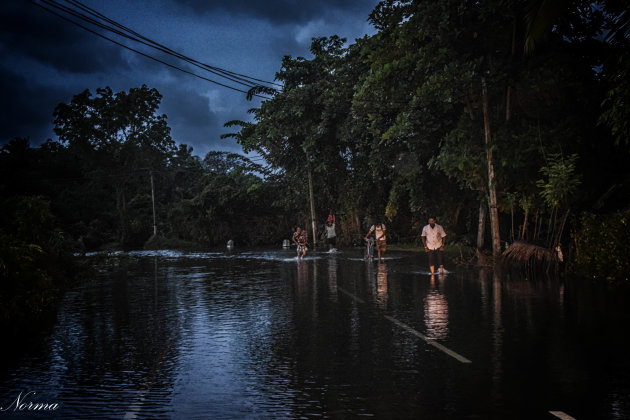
(259, 334)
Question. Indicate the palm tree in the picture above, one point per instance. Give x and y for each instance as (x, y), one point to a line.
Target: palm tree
(542, 15)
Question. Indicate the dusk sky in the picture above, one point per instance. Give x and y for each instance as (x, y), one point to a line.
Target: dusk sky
(45, 60)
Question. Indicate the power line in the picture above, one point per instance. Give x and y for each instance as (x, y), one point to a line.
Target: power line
(54, 7)
(159, 46)
(125, 32)
(148, 42)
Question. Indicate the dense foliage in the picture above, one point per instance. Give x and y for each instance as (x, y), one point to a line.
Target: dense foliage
(602, 246)
(500, 118)
(33, 263)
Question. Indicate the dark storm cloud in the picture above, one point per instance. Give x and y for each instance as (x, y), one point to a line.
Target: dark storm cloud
(30, 32)
(45, 60)
(27, 109)
(188, 107)
(42, 58)
(201, 117)
(274, 11)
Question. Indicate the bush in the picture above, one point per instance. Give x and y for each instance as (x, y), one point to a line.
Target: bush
(33, 265)
(602, 246)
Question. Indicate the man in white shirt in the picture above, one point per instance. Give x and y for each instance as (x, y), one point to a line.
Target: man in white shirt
(434, 238)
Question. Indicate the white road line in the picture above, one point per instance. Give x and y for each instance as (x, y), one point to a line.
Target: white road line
(358, 299)
(561, 415)
(428, 340)
(134, 409)
(412, 331)
(138, 401)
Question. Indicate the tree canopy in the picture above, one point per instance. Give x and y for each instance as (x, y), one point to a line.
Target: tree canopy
(511, 112)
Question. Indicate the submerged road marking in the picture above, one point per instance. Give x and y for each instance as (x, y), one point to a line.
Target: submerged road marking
(406, 327)
(561, 415)
(356, 298)
(134, 409)
(428, 340)
(138, 401)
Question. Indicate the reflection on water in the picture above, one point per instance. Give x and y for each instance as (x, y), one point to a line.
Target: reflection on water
(376, 274)
(302, 278)
(497, 332)
(436, 310)
(332, 278)
(259, 334)
(381, 286)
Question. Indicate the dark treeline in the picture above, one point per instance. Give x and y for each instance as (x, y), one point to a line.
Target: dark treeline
(115, 161)
(506, 120)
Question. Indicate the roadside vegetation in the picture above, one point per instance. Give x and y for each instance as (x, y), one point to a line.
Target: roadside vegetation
(505, 120)
(35, 267)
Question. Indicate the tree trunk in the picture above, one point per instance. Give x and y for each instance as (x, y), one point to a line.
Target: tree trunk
(512, 228)
(561, 230)
(153, 205)
(122, 213)
(481, 226)
(492, 192)
(312, 199)
(508, 103)
(458, 211)
(508, 94)
(552, 226)
(524, 224)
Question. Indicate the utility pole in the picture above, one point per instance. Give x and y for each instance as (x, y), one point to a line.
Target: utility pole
(153, 202)
(312, 199)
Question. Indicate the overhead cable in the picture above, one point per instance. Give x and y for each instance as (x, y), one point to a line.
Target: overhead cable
(163, 48)
(55, 8)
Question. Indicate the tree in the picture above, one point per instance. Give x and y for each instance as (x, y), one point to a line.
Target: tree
(557, 188)
(297, 131)
(440, 60)
(117, 137)
(616, 112)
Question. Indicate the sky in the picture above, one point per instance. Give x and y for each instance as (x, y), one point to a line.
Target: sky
(45, 60)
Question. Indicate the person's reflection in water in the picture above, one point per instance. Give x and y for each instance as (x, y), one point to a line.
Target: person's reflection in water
(436, 310)
(302, 277)
(497, 333)
(332, 278)
(381, 286)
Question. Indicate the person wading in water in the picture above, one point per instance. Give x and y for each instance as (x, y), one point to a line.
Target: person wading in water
(300, 238)
(379, 230)
(434, 238)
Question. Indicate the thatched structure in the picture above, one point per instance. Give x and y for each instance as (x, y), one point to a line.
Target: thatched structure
(519, 254)
(529, 255)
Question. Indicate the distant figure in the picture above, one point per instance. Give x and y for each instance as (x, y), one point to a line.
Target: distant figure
(379, 230)
(230, 244)
(434, 238)
(300, 238)
(331, 235)
(286, 243)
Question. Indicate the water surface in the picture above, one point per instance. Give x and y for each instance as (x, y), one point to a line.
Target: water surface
(259, 334)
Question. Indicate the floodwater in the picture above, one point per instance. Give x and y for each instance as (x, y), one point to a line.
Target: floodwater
(258, 334)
